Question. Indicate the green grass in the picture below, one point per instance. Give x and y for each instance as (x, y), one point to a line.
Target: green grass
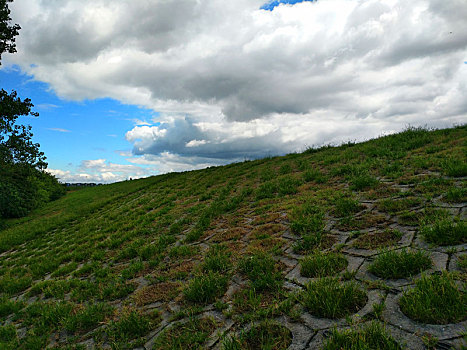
(206, 288)
(435, 299)
(445, 232)
(400, 264)
(261, 271)
(369, 337)
(266, 335)
(319, 264)
(329, 297)
(188, 335)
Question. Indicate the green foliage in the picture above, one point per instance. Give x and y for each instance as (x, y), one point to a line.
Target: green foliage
(329, 297)
(402, 264)
(435, 299)
(455, 167)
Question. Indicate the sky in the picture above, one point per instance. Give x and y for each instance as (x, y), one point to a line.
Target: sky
(143, 87)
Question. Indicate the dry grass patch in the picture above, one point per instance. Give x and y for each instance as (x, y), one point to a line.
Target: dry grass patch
(164, 291)
(364, 221)
(378, 239)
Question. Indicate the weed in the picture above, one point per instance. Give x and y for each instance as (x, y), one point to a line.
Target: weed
(430, 341)
(206, 288)
(372, 336)
(435, 299)
(321, 264)
(402, 264)
(328, 297)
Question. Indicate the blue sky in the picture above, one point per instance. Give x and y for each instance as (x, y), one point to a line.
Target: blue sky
(70, 131)
(148, 87)
(270, 5)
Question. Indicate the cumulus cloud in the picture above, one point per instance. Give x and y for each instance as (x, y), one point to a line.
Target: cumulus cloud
(101, 171)
(231, 80)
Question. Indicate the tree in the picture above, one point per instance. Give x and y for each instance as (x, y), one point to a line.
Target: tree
(7, 32)
(24, 185)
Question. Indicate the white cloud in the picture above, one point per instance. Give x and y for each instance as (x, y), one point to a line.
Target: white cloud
(58, 129)
(232, 81)
(101, 171)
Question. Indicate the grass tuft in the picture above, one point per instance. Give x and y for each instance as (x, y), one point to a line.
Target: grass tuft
(435, 299)
(206, 288)
(321, 264)
(402, 264)
(369, 337)
(329, 297)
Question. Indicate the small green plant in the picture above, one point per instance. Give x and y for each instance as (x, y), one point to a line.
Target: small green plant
(402, 264)
(435, 299)
(328, 297)
(319, 264)
(372, 336)
(445, 232)
(206, 288)
(378, 309)
(430, 341)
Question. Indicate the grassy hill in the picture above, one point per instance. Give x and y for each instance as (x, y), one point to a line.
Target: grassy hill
(369, 238)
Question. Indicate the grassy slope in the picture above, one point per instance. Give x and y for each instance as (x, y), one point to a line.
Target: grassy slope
(92, 260)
